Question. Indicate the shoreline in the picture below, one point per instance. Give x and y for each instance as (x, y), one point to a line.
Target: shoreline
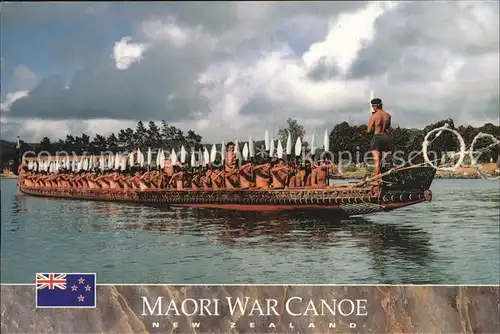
(8, 176)
(489, 169)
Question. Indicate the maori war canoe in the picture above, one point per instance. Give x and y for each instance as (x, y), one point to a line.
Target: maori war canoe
(399, 189)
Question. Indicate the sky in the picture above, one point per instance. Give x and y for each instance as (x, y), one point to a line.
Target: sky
(233, 70)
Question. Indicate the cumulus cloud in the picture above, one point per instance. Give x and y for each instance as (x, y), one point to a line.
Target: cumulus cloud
(125, 53)
(346, 36)
(233, 70)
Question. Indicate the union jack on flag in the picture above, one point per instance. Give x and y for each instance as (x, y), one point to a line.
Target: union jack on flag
(51, 281)
(66, 290)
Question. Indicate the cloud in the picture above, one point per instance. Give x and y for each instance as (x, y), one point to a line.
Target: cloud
(33, 130)
(125, 53)
(24, 78)
(349, 31)
(240, 68)
(11, 98)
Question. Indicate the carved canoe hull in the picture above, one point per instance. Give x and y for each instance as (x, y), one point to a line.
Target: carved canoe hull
(400, 189)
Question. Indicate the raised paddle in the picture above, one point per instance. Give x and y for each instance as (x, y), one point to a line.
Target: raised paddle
(289, 146)
(280, 149)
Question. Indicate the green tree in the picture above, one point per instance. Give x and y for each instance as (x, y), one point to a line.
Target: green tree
(45, 144)
(140, 136)
(178, 134)
(70, 140)
(69, 143)
(165, 132)
(340, 139)
(60, 145)
(401, 139)
(343, 137)
(81, 144)
(296, 131)
(112, 142)
(126, 138)
(98, 144)
(482, 144)
(193, 139)
(153, 135)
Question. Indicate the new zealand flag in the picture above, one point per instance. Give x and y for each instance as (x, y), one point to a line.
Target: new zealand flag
(66, 290)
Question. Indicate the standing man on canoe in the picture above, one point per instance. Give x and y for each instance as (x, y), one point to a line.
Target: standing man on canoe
(380, 122)
(230, 167)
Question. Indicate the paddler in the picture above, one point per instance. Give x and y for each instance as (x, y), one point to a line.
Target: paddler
(246, 175)
(145, 181)
(177, 180)
(299, 178)
(380, 123)
(197, 180)
(102, 180)
(91, 180)
(217, 179)
(158, 180)
(20, 173)
(319, 175)
(279, 174)
(169, 171)
(262, 175)
(206, 179)
(135, 181)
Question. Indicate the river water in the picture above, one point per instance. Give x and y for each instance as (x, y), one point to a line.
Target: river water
(453, 240)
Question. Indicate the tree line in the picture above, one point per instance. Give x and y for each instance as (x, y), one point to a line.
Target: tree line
(343, 138)
(153, 136)
(355, 140)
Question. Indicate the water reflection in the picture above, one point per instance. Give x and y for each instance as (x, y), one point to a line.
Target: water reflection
(250, 230)
(245, 229)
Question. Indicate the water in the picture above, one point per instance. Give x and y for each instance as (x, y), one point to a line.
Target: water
(453, 240)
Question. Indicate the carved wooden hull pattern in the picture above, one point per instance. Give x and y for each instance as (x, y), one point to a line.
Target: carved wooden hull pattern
(405, 188)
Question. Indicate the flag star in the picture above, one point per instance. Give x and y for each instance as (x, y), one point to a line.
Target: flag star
(80, 281)
(74, 288)
(81, 298)
(87, 287)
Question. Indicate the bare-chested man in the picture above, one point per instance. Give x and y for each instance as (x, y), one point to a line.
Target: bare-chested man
(27, 179)
(136, 180)
(246, 175)
(206, 179)
(319, 175)
(380, 122)
(102, 181)
(145, 181)
(262, 176)
(169, 170)
(217, 179)
(114, 180)
(92, 181)
(21, 173)
(230, 167)
(196, 180)
(177, 180)
(279, 174)
(299, 178)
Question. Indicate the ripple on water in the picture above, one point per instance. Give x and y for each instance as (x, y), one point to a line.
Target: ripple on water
(454, 239)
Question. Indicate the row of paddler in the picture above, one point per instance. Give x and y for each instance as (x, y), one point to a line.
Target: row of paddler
(202, 157)
(275, 174)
